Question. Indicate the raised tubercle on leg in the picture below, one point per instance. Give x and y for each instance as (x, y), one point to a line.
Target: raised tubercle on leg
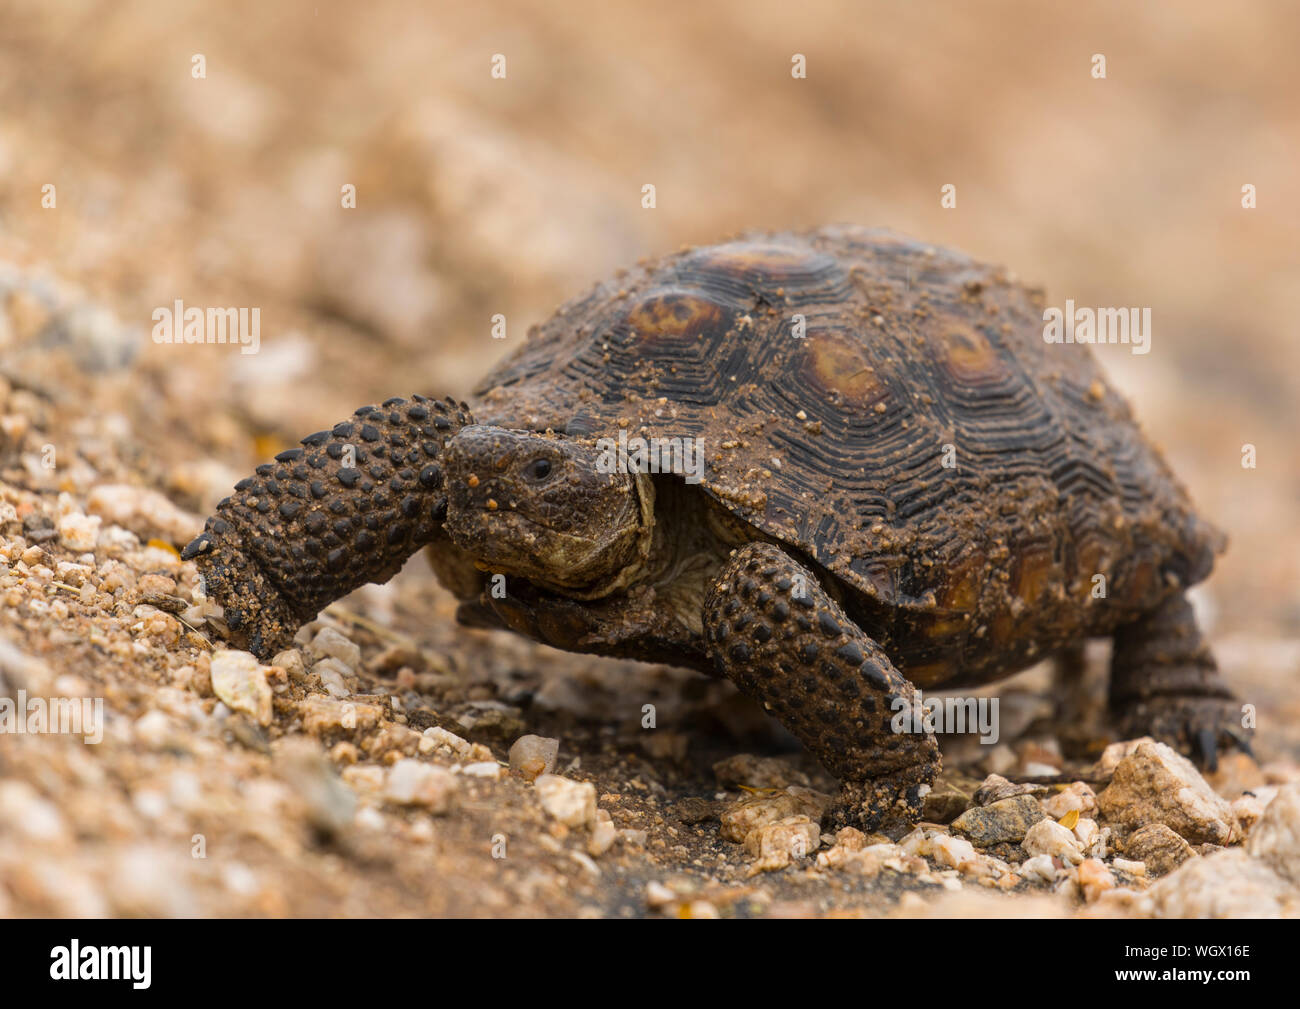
(776, 633)
(347, 508)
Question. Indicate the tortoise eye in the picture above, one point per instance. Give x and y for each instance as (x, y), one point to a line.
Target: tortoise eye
(538, 469)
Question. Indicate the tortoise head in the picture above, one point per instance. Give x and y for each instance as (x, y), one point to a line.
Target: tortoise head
(546, 508)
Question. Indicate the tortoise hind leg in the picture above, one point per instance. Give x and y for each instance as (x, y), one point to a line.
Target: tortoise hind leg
(1165, 683)
(778, 636)
(1078, 712)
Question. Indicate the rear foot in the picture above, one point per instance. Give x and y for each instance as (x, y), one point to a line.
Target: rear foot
(1198, 726)
(1165, 683)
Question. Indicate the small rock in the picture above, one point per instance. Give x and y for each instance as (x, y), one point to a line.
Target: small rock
(1040, 867)
(850, 839)
(79, 532)
(1094, 879)
(38, 528)
(1262, 881)
(290, 660)
(436, 736)
(1276, 838)
(1038, 758)
(368, 778)
(1111, 756)
(995, 788)
(332, 673)
(322, 717)
(329, 642)
(1159, 847)
(415, 783)
(603, 835)
(1090, 836)
(1155, 784)
(240, 681)
(868, 861)
(1078, 795)
(573, 803)
(1047, 837)
(1247, 809)
(501, 722)
(657, 895)
(482, 769)
(1229, 884)
(751, 813)
(532, 756)
(954, 852)
(1004, 820)
(776, 845)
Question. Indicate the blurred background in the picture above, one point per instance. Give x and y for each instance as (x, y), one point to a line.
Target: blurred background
(478, 195)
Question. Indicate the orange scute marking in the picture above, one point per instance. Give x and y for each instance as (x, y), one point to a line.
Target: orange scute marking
(673, 316)
(830, 360)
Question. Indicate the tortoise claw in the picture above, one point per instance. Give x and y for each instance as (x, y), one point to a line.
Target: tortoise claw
(1207, 745)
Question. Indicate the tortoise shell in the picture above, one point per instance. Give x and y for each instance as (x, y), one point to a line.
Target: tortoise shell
(892, 412)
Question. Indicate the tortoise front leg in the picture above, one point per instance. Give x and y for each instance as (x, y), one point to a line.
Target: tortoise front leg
(348, 508)
(778, 636)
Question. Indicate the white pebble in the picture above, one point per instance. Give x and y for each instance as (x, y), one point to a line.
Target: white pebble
(240, 681)
(330, 642)
(482, 769)
(415, 783)
(573, 803)
(1040, 866)
(1047, 837)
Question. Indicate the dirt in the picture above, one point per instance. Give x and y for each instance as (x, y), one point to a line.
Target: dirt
(478, 196)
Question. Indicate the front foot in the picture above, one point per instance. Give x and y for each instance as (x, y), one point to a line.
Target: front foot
(347, 507)
(257, 615)
(888, 804)
(1197, 726)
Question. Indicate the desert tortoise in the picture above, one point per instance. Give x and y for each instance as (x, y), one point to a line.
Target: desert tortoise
(897, 482)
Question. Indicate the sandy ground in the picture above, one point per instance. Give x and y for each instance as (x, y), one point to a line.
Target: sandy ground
(477, 196)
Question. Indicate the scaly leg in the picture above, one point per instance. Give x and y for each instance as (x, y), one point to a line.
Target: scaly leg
(347, 508)
(1165, 683)
(824, 680)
